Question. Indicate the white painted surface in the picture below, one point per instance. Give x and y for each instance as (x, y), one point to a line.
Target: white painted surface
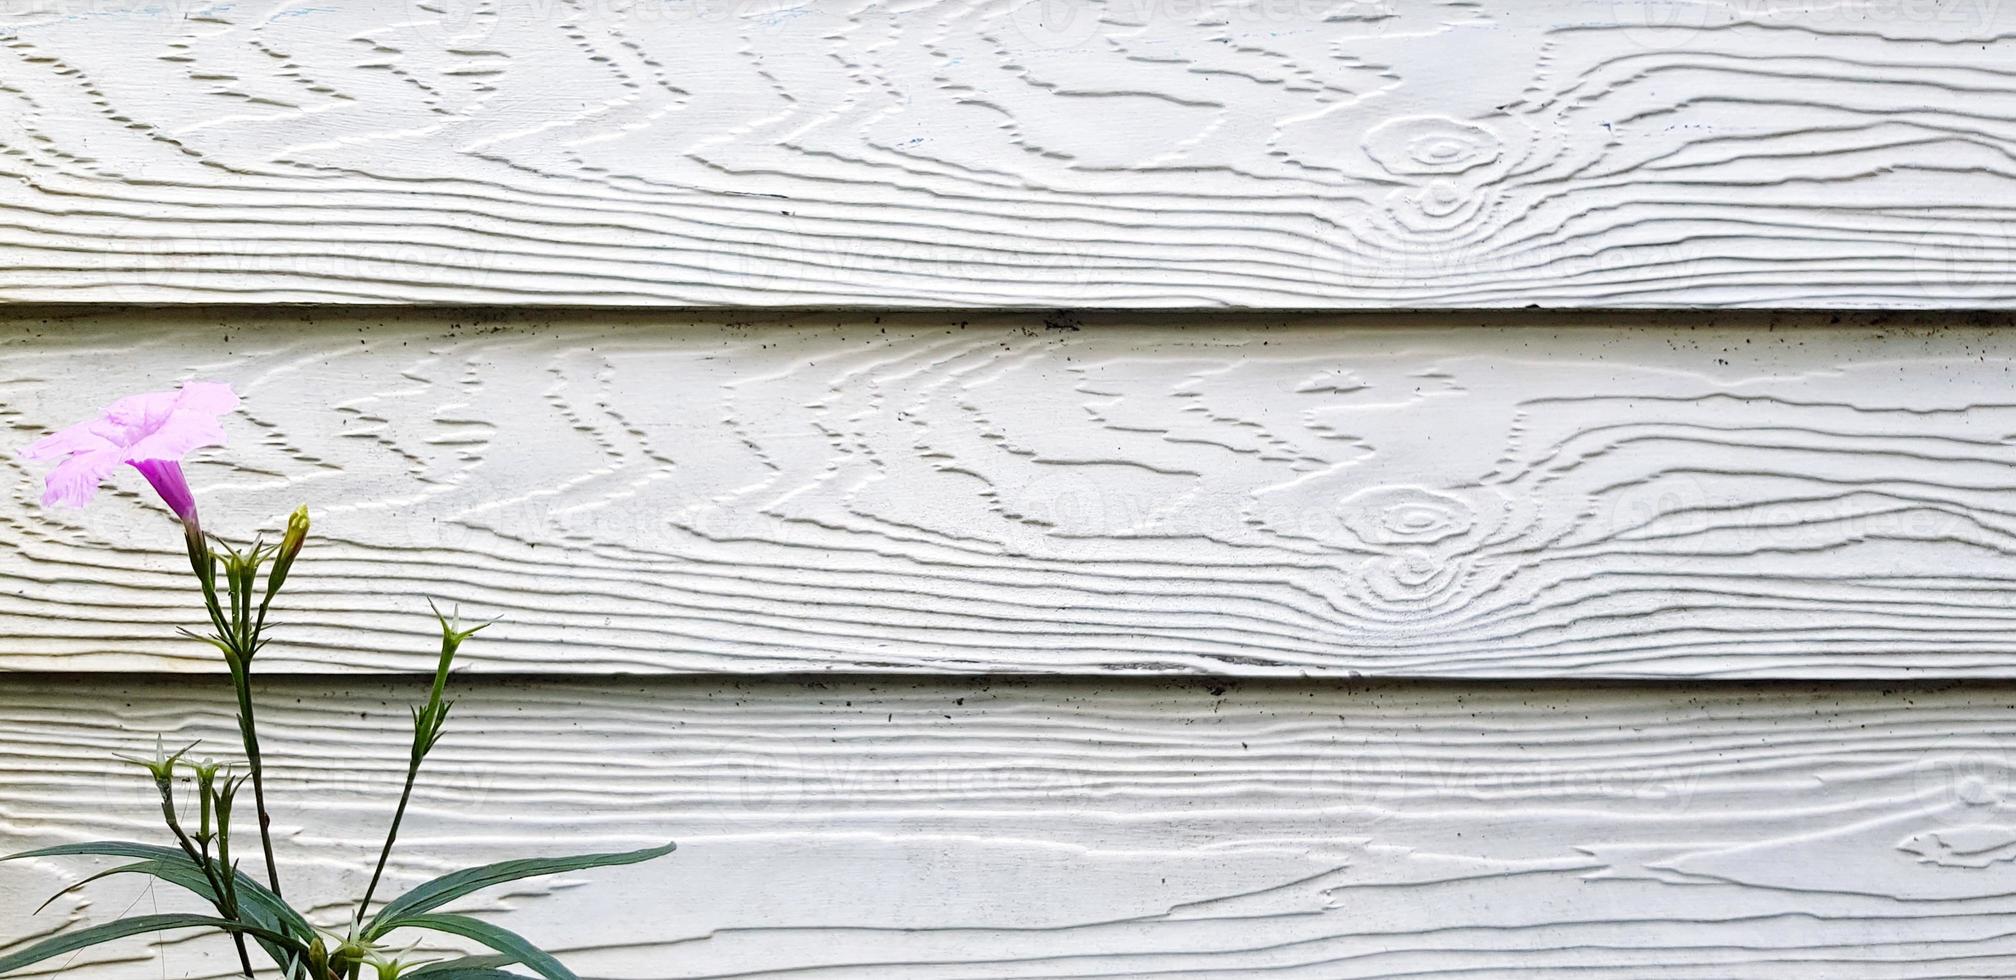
(1554, 497)
(1264, 153)
(966, 828)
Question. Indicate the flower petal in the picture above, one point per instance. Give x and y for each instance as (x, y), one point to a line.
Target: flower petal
(75, 480)
(178, 433)
(142, 411)
(214, 397)
(82, 437)
(153, 430)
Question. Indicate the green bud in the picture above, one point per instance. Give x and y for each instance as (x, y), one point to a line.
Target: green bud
(162, 766)
(206, 783)
(428, 721)
(347, 955)
(242, 567)
(452, 633)
(290, 547)
(388, 968)
(318, 959)
(222, 797)
(236, 562)
(200, 560)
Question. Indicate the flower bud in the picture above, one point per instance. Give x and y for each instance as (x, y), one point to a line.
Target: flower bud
(452, 635)
(345, 956)
(206, 791)
(200, 560)
(162, 766)
(427, 721)
(290, 546)
(223, 796)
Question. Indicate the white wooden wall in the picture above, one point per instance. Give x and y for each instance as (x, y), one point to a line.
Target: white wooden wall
(764, 578)
(1281, 633)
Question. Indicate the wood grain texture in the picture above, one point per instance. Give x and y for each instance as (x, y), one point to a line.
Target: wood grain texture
(1382, 495)
(1010, 828)
(1244, 153)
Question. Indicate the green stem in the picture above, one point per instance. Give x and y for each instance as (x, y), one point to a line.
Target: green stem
(226, 908)
(230, 873)
(259, 622)
(391, 834)
(248, 727)
(426, 731)
(239, 634)
(227, 898)
(204, 566)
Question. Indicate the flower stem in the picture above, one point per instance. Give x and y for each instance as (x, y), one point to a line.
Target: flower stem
(391, 834)
(239, 639)
(427, 723)
(248, 727)
(225, 907)
(205, 567)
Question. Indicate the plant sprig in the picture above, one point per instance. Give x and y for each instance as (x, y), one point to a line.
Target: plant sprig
(237, 613)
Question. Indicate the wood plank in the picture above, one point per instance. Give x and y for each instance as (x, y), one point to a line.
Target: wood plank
(1550, 496)
(964, 828)
(1245, 153)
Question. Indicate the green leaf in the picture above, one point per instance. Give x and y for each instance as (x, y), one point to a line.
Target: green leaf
(449, 887)
(466, 968)
(144, 867)
(108, 848)
(120, 929)
(502, 940)
(185, 874)
(253, 898)
(464, 963)
(466, 974)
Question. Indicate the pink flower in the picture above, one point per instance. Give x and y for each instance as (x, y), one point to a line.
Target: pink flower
(150, 432)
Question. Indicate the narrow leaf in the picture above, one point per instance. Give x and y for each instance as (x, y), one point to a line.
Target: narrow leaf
(466, 968)
(254, 898)
(464, 963)
(140, 868)
(181, 872)
(449, 887)
(466, 974)
(107, 848)
(120, 929)
(502, 940)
